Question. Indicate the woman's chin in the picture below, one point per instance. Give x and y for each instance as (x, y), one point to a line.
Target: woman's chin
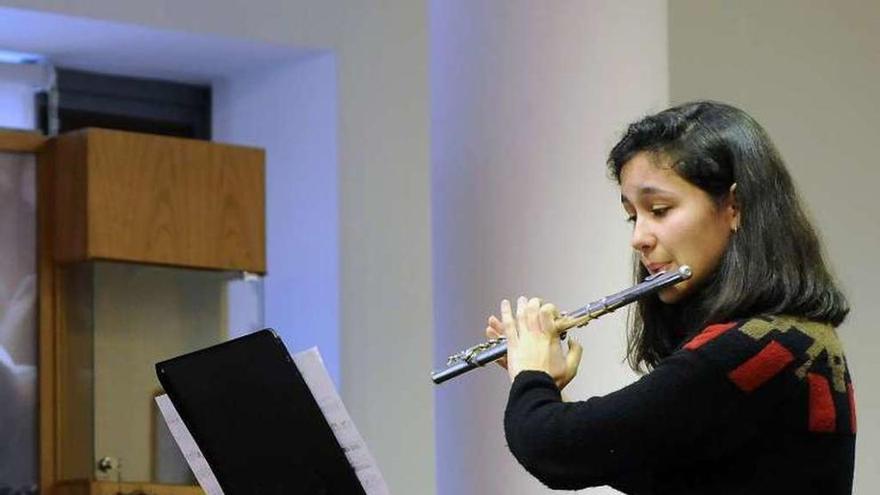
(671, 295)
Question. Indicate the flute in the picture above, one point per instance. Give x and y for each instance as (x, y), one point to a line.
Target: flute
(494, 349)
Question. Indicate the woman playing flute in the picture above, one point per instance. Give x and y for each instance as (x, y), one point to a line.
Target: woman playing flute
(747, 390)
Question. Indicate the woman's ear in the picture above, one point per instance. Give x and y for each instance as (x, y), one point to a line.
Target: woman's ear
(731, 208)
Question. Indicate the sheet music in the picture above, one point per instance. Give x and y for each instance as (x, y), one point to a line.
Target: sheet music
(188, 447)
(313, 371)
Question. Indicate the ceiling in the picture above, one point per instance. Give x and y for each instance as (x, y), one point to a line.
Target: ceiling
(138, 51)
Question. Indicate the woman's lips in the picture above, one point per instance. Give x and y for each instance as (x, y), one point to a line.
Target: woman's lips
(656, 267)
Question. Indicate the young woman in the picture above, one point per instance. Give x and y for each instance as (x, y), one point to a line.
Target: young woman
(748, 391)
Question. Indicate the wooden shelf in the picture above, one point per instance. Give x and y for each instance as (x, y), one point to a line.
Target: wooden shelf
(141, 198)
(21, 141)
(85, 487)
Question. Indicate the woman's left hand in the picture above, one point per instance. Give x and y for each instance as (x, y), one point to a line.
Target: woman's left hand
(533, 341)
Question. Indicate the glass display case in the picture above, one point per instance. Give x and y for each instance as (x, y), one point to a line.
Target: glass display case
(120, 319)
(147, 249)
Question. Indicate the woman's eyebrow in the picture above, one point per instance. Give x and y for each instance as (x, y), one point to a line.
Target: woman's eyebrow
(652, 191)
(646, 191)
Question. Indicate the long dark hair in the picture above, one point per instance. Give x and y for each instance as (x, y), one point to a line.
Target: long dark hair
(773, 264)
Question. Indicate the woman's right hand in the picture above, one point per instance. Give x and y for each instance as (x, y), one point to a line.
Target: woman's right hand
(563, 361)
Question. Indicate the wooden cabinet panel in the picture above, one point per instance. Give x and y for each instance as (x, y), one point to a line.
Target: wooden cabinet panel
(153, 199)
(21, 141)
(113, 488)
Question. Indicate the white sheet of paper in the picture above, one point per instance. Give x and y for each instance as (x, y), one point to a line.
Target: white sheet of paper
(313, 371)
(188, 447)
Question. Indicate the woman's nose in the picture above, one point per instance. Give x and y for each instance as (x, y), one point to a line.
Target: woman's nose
(642, 239)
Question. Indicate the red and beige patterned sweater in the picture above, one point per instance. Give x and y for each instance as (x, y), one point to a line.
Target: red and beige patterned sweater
(758, 406)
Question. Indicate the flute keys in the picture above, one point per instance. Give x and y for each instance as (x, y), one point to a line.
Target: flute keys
(468, 354)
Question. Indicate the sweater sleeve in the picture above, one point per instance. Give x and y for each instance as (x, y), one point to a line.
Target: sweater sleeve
(701, 402)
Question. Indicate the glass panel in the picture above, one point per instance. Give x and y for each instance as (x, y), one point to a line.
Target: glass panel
(75, 347)
(139, 315)
(18, 330)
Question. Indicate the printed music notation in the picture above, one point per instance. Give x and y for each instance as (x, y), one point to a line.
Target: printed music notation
(313, 371)
(188, 447)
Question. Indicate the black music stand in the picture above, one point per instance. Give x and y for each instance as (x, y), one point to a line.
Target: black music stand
(255, 420)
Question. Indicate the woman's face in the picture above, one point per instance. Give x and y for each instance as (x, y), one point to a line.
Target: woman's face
(674, 222)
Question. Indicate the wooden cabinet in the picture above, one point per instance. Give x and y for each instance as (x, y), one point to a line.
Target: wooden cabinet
(150, 216)
(151, 199)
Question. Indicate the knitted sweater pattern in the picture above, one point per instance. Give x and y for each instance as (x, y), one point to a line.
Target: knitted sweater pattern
(762, 405)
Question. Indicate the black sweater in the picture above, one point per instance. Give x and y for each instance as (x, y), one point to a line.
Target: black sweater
(757, 406)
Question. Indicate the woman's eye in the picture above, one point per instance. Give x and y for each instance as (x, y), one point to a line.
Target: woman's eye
(659, 211)
(631, 219)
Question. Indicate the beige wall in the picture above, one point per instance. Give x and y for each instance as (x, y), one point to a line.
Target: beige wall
(527, 99)
(384, 190)
(809, 72)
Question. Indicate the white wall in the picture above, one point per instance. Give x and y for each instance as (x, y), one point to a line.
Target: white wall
(20, 79)
(526, 100)
(384, 284)
(290, 110)
(809, 72)
(16, 105)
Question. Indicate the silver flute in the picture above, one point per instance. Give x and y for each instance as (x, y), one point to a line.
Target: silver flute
(492, 350)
